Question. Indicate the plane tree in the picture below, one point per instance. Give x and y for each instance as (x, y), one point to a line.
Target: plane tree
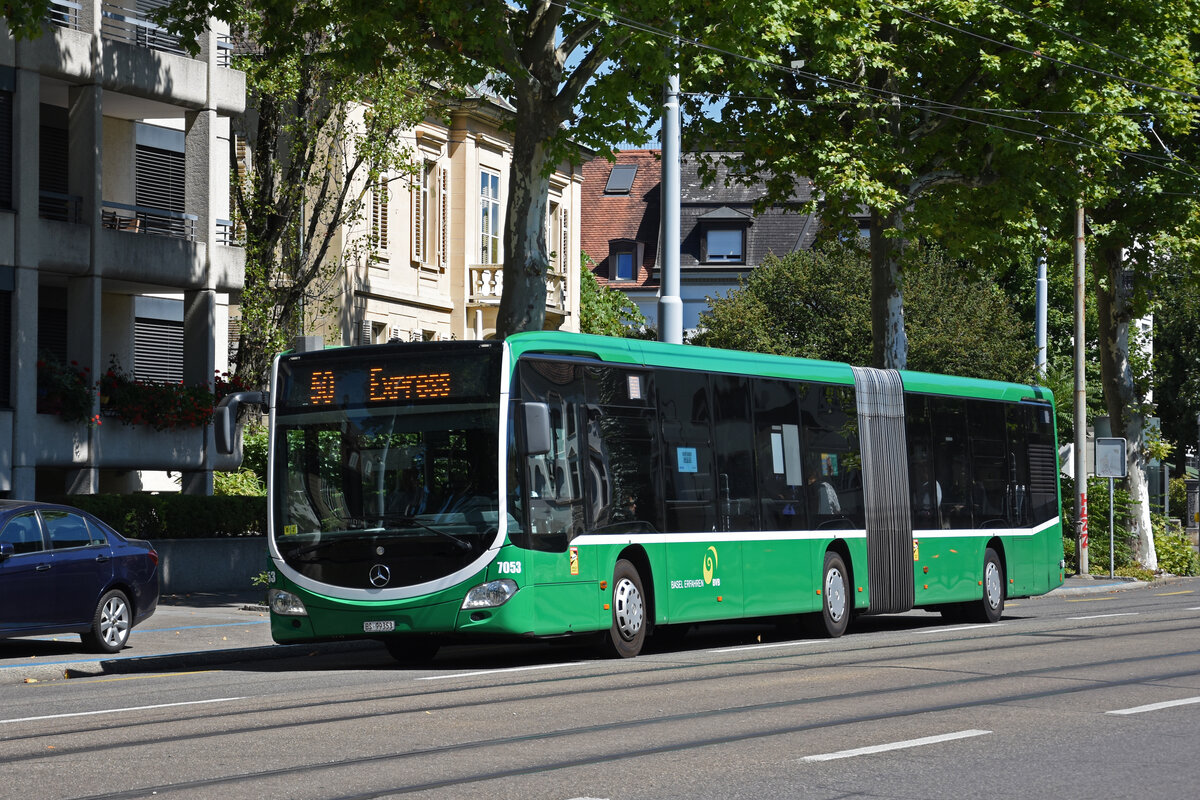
(577, 75)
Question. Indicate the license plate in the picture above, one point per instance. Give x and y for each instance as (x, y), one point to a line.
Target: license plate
(383, 626)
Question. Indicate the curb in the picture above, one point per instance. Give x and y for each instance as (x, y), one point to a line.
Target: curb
(129, 665)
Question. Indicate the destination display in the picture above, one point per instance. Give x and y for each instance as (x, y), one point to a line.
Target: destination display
(318, 381)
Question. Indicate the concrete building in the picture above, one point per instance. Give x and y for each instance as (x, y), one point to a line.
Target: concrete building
(114, 165)
(436, 271)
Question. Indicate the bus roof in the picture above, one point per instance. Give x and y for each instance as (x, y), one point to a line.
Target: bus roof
(616, 350)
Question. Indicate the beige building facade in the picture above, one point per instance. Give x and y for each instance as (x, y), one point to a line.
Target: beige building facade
(435, 271)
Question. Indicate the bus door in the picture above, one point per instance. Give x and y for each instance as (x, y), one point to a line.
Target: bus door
(551, 488)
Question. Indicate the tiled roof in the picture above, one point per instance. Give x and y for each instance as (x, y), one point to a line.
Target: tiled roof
(635, 216)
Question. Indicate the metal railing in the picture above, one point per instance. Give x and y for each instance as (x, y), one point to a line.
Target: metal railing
(229, 233)
(60, 207)
(122, 24)
(487, 284)
(64, 14)
(155, 221)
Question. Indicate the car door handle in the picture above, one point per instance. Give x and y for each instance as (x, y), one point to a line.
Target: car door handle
(42, 567)
(101, 559)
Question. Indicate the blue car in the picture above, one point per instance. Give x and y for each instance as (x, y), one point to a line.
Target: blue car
(64, 571)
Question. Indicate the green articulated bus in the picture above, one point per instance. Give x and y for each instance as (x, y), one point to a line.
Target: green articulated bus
(559, 484)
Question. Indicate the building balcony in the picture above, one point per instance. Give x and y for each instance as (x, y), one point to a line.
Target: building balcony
(133, 55)
(112, 445)
(487, 285)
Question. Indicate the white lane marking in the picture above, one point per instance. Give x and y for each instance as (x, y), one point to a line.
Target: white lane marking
(936, 629)
(1197, 608)
(883, 748)
(758, 646)
(1155, 706)
(497, 671)
(1102, 616)
(120, 710)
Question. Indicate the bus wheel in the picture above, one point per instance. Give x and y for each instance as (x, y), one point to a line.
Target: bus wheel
(835, 597)
(628, 631)
(992, 606)
(412, 650)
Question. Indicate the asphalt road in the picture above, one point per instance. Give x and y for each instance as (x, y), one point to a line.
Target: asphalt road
(1072, 695)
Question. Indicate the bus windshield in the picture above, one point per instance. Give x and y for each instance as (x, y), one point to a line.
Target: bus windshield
(384, 495)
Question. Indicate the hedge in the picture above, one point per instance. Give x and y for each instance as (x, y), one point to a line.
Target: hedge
(175, 516)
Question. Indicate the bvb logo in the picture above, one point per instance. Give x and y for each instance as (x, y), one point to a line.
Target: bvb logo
(710, 564)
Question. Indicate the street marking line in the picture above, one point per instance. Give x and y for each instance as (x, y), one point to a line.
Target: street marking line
(1197, 608)
(883, 748)
(1155, 706)
(1170, 594)
(498, 671)
(740, 647)
(120, 710)
(1104, 616)
(1088, 599)
(957, 628)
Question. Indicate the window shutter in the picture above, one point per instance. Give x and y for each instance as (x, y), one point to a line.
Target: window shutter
(157, 350)
(364, 332)
(418, 215)
(159, 179)
(443, 255)
(564, 239)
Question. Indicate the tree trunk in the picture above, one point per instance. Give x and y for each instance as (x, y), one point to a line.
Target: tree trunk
(526, 260)
(889, 342)
(1125, 408)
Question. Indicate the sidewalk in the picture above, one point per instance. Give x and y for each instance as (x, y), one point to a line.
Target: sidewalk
(185, 632)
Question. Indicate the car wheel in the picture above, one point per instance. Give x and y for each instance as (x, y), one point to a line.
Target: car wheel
(110, 624)
(628, 631)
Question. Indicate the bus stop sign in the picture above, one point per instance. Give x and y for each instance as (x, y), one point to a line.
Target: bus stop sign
(1110, 458)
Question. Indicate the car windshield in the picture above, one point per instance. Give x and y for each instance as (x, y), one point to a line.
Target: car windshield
(414, 489)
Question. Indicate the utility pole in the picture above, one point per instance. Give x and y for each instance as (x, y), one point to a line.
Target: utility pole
(1081, 523)
(1041, 313)
(670, 306)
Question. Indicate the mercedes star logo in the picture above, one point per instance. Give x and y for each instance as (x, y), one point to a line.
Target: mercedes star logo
(379, 575)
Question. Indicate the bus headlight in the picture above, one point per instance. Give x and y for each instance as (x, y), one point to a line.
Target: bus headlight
(286, 603)
(490, 594)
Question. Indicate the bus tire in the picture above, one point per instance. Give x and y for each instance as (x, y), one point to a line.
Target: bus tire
(991, 607)
(627, 633)
(412, 650)
(835, 597)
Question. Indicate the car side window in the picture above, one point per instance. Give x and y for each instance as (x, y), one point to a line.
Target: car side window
(66, 530)
(24, 533)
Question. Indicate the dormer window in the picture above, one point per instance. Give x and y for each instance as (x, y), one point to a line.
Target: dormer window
(620, 179)
(624, 258)
(723, 236)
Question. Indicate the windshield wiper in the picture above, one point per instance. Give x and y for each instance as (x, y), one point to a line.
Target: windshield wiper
(404, 518)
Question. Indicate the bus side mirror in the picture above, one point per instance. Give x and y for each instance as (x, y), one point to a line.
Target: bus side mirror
(225, 417)
(535, 429)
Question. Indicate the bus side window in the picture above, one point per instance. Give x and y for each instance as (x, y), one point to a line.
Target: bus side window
(685, 415)
(733, 441)
(556, 513)
(623, 486)
(926, 490)
(951, 468)
(778, 451)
